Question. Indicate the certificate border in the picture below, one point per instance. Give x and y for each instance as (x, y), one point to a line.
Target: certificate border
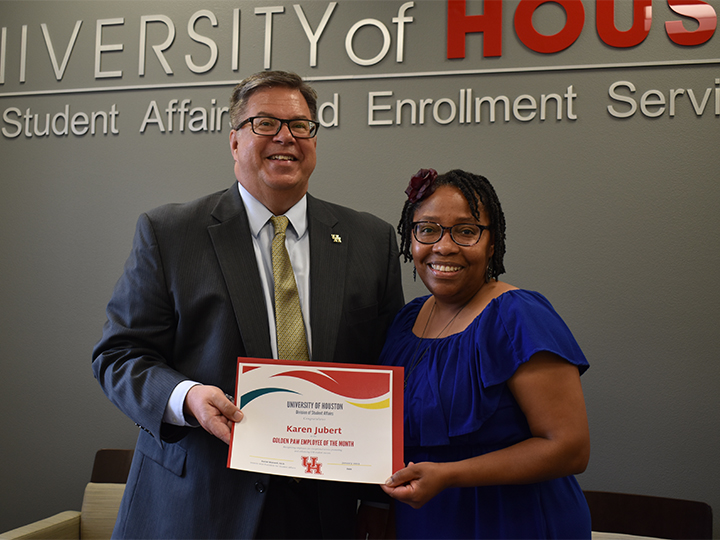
(397, 393)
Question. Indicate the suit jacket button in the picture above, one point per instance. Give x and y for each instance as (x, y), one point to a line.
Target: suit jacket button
(260, 487)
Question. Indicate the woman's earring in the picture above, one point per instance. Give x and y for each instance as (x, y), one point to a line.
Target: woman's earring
(414, 273)
(489, 273)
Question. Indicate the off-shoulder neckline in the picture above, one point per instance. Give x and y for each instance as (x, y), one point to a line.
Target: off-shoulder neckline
(422, 299)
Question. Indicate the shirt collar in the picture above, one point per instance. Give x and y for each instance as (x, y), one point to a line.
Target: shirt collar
(259, 215)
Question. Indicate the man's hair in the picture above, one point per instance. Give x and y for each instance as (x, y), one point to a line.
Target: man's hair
(268, 79)
(477, 191)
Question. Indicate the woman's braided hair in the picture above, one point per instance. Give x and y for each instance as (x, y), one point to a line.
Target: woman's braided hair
(479, 193)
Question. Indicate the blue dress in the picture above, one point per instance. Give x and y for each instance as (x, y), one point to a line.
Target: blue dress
(458, 405)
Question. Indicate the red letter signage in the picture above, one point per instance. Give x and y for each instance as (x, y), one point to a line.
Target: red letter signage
(549, 44)
(489, 23)
(608, 32)
(703, 13)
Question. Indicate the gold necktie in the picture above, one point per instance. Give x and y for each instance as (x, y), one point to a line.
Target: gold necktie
(288, 316)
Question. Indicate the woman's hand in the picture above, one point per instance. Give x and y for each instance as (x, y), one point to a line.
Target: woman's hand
(416, 484)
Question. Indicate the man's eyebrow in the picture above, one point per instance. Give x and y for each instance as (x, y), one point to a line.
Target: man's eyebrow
(301, 117)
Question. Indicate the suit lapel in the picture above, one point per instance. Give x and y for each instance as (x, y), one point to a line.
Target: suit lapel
(232, 240)
(328, 259)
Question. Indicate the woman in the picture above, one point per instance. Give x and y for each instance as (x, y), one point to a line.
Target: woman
(495, 421)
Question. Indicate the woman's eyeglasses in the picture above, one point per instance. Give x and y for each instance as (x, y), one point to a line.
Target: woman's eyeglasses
(463, 234)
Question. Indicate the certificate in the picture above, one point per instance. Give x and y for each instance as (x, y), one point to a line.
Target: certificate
(318, 420)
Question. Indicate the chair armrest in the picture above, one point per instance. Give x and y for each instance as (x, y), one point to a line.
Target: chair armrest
(620, 536)
(62, 526)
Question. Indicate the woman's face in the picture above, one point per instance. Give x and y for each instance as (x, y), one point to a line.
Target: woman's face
(452, 273)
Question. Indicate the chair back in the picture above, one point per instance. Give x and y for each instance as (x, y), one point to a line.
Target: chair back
(103, 494)
(645, 515)
(111, 466)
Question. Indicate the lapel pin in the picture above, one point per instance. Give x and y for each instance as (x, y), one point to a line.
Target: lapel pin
(336, 238)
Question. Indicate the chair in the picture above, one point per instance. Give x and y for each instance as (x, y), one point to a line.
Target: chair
(111, 466)
(100, 505)
(645, 515)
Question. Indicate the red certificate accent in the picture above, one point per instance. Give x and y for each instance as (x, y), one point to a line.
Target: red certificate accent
(318, 420)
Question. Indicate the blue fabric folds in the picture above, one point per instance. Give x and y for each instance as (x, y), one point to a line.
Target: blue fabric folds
(456, 384)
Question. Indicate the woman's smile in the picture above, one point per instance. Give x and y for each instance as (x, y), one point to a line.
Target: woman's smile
(440, 268)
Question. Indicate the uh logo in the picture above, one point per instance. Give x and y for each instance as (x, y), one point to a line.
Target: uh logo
(311, 465)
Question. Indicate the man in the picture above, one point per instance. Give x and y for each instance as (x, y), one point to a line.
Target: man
(198, 291)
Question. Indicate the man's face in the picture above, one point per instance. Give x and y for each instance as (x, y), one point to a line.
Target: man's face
(275, 170)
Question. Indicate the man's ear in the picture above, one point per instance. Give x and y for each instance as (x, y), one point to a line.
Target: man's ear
(233, 142)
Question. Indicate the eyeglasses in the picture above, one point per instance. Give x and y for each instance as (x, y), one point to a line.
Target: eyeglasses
(463, 234)
(269, 126)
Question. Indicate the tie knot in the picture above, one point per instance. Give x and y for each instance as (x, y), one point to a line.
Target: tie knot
(280, 224)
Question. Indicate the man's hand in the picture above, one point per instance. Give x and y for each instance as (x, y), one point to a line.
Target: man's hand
(213, 410)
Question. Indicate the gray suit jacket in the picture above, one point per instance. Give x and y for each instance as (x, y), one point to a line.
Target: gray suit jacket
(188, 304)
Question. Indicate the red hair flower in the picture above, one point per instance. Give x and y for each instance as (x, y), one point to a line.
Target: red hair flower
(422, 185)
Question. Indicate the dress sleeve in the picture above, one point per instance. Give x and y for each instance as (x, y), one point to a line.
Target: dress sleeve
(517, 325)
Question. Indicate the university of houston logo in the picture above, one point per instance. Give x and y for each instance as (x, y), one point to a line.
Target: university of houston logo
(311, 465)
